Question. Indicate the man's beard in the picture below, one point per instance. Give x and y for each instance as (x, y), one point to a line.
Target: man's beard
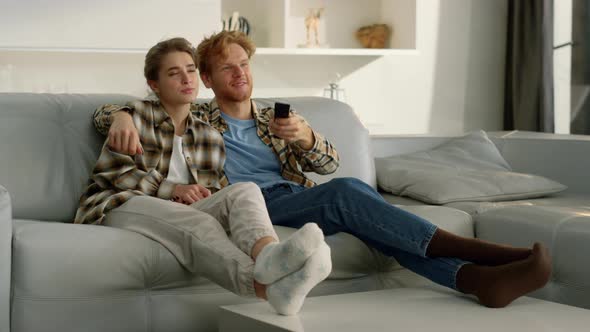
(236, 96)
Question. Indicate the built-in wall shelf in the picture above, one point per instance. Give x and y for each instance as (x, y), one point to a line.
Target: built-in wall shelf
(259, 51)
(278, 26)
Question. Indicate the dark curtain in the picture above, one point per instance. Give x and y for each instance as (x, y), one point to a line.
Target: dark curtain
(580, 93)
(528, 97)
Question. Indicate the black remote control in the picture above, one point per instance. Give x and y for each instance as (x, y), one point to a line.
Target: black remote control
(282, 110)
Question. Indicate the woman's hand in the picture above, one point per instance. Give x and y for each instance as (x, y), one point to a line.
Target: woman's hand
(189, 193)
(123, 137)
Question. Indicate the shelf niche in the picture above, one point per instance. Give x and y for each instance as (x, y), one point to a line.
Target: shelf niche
(279, 24)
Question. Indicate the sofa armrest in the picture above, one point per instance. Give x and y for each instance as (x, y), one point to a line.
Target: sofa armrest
(563, 158)
(5, 259)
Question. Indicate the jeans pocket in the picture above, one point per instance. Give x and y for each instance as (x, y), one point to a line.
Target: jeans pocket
(296, 188)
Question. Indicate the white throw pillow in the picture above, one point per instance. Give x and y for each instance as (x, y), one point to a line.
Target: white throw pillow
(468, 168)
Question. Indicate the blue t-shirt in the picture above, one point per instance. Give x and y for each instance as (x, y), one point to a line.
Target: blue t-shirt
(248, 158)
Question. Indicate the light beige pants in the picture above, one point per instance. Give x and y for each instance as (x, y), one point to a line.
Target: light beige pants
(197, 234)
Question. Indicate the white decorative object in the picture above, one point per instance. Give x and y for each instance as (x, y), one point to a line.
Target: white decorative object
(237, 23)
(312, 25)
(334, 91)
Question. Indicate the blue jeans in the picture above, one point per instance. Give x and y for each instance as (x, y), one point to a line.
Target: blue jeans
(350, 205)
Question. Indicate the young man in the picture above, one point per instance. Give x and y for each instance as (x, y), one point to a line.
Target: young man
(270, 151)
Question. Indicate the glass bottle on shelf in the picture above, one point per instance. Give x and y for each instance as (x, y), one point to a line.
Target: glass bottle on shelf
(335, 92)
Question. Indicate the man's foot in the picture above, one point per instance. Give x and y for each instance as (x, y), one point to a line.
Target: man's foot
(286, 296)
(500, 285)
(277, 260)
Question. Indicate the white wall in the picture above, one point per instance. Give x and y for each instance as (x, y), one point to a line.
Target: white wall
(119, 28)
(452, 84)
(104, 23)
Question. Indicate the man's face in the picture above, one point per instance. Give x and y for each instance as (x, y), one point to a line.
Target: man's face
(230, 77)
(177, 79)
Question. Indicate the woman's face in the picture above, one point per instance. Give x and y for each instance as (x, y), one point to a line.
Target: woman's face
(177, 79)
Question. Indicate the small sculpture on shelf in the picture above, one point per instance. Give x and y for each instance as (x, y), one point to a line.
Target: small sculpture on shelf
(373, 36)
(237, 23)
(312, 24)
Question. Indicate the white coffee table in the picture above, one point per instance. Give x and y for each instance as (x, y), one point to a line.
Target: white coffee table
(406, 309)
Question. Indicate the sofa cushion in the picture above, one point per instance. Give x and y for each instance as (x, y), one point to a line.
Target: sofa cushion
(468, 168)
(57, 260)
(559, 200)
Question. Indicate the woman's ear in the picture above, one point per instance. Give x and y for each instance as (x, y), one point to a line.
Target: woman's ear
(206, 80)
(154, 86)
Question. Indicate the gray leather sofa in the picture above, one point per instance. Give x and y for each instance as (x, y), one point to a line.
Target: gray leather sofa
(561, 221)
(56, 276)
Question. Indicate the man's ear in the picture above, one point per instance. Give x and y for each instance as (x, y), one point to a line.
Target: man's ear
(206, 80)
(154, 86)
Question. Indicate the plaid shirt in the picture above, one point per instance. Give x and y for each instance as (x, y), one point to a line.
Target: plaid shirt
(116, 178)
(322, 158)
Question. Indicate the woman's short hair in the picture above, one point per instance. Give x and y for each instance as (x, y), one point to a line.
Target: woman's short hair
(153, 58)
(218, 43)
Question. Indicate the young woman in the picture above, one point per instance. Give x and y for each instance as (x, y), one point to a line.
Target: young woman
(172, 193)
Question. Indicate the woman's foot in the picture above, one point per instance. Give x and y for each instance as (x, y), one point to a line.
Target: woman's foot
(279, 259)
(498, 286)
(286, 295)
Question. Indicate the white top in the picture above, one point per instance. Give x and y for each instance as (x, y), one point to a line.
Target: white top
(178, 171)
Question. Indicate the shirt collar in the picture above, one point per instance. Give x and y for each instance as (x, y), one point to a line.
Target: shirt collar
(253, 107)
(160, 115)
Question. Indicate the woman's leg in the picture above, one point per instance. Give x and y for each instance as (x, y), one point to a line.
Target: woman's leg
(240, 208)
(195, 238)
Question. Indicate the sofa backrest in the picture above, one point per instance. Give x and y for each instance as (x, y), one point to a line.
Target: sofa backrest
(48, 146)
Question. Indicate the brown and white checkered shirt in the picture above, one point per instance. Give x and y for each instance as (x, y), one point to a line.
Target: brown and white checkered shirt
(116, 178)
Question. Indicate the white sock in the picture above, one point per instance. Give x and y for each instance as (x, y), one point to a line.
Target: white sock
(276, 260)
(286, 296)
